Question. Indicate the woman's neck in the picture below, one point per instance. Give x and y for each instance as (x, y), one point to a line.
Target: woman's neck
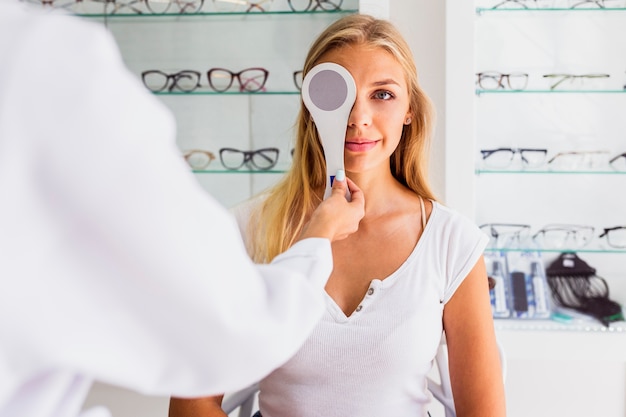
(383, 193)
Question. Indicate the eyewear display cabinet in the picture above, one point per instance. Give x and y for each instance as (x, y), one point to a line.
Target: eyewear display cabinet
(226, 71)
(550, 126)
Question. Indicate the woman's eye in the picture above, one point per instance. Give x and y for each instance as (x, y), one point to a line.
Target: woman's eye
(383, 95)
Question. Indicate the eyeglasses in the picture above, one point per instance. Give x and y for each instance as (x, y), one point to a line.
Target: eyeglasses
(506, 235)
(576, 80)
(250, 79)
(220, 79)
(538, 4)
(156, 81)
(618, 162)
(563, 236)
(261, 159)
(56, 4)
(573, 160)
(198, 159)
(493, 80)
(525, 4)
(503, 157)
(311, 5)
(584, 3)
(183, 6)
(242, 5)
(125, 6)
(297, 79)
(615, 236)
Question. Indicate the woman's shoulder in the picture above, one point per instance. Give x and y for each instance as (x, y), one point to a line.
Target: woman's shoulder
(245, 210)
(448, 218)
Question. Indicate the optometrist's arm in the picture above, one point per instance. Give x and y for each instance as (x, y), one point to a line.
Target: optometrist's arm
(122, 268)
(322, 223)
(474, 361)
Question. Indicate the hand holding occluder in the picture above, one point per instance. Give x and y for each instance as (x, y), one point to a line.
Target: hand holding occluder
(337, 217)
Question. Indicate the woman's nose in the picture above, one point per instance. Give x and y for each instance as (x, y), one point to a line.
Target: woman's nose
(360, 114)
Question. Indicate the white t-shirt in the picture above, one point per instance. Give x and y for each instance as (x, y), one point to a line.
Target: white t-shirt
(374, 363)
(115, 264)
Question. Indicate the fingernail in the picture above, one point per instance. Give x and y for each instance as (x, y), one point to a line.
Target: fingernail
(341, 175)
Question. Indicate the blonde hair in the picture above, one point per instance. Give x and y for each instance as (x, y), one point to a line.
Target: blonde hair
(289, 203)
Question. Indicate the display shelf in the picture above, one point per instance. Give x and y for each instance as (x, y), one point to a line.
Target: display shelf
(484, 10)
(239, 171)
(240, 93)
(179, 16)
(551, 325)
(547, 91)
(559, 250)
(549, 172)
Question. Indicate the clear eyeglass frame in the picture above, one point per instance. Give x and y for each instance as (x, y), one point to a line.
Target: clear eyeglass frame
(247, 6)
(198, 159)
(524, 4)
(577, 160)
(575, 81)
(563, 236)
(506, 235)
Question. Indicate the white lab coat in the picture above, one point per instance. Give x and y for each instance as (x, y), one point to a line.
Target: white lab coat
(114, 264)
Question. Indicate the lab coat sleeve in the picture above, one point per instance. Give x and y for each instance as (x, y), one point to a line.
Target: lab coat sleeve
(116, 263)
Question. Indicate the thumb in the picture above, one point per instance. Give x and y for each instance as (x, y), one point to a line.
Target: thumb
(339, 183)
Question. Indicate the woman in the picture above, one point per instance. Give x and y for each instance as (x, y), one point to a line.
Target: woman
(412, 270)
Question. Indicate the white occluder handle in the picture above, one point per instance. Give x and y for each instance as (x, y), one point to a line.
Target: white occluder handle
(329, 92)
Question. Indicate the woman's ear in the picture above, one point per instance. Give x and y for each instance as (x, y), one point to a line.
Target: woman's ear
(408, 118)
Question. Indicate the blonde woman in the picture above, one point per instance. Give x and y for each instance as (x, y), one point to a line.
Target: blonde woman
(413, 270)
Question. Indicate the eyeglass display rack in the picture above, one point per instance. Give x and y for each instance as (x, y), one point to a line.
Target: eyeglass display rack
(276, 39)
(537, 41)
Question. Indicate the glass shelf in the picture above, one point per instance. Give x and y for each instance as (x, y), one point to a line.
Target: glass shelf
(481, 92)
(239, 93)
(561, 250)
(547, 171)
(483, 10)
(239, 171)
(553, 325)
(214, 14)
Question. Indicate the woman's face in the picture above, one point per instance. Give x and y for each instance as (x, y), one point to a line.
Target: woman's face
(380, 109)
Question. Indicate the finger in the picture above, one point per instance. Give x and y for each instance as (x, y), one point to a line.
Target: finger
(355, 191)
(339, 183)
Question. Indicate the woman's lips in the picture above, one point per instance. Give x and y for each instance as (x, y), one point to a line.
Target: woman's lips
(360, 146)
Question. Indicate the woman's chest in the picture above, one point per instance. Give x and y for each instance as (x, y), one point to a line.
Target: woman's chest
(368, 256)
(394, 330)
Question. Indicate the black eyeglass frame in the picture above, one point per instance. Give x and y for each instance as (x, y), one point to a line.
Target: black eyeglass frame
(174, 78)
(486, 153)
(607, 232)
(248, 158)
(615, 158)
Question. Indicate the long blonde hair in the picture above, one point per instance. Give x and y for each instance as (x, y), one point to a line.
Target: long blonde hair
(290, 202)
